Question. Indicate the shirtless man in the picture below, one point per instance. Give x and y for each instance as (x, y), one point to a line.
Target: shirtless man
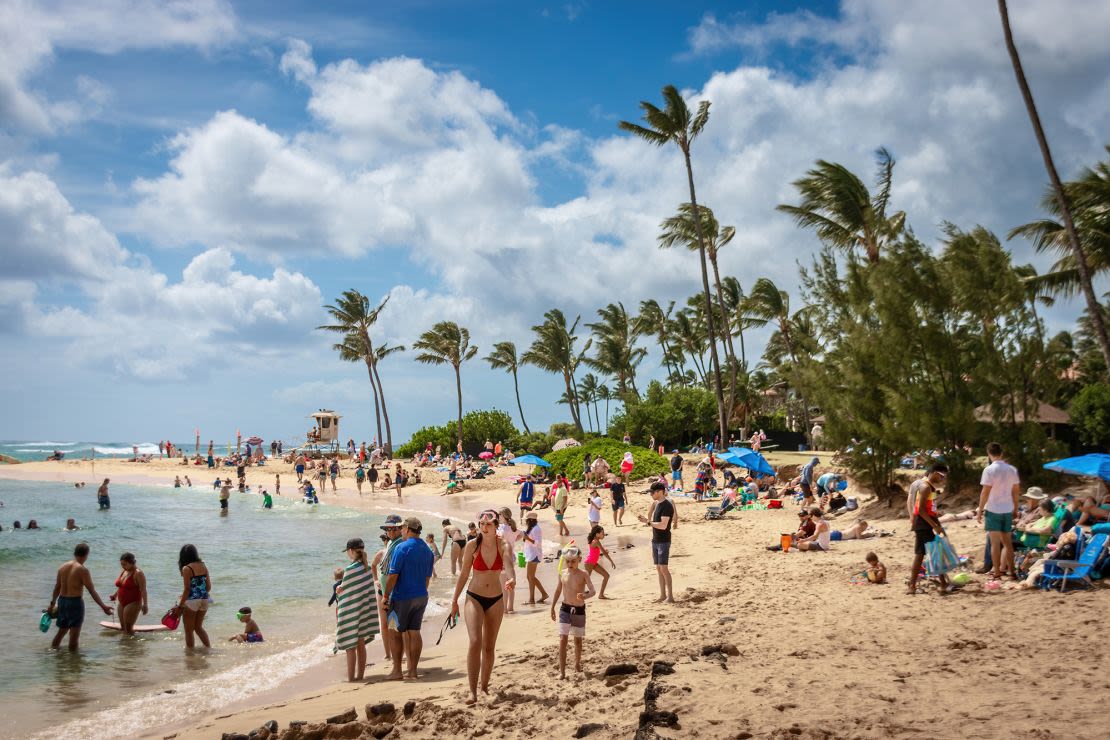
(66, 603)
(102, 495)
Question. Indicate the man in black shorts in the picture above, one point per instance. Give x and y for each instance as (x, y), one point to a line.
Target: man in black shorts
(660, 519)
(66, 604)
(925, 524)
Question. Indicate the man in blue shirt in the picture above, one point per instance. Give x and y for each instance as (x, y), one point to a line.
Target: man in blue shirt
(406, 594)
(807, 481)
(526, 495)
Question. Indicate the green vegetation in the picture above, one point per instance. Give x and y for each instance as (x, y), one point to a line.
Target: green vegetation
(1090, 414)
(675, 416)
(477, 427)
(569, 461)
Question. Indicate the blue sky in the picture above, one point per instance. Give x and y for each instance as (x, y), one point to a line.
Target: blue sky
(185, 186)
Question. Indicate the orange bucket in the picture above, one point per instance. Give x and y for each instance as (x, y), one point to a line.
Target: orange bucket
(786, 542)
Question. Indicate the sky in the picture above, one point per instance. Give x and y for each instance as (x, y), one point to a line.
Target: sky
(185, 185)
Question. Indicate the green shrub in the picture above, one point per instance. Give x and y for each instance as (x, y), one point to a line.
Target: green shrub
(1090, 414)
(674, 416)
(477, 427)
(569, 460)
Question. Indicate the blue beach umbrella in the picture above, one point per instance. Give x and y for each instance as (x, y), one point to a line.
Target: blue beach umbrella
(1096, 465)
(531, 460)
(751, 460)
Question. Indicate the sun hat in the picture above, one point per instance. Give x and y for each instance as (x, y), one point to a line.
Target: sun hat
(355, 543)
(1035, 493)
(391, 521)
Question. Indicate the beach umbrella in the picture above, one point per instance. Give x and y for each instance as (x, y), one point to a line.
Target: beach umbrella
(1096, 465)
(485, 455)
(531, 460)
(564, 443)
(751, 460)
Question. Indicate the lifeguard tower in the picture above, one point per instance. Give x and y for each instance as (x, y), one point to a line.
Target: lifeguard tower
(325, 429)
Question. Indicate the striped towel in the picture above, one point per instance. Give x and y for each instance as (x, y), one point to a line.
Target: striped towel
(357, 611)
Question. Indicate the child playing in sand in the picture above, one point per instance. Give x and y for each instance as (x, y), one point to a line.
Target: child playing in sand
(875, 573)
(250, 632)
(436, 554)
(575, 587)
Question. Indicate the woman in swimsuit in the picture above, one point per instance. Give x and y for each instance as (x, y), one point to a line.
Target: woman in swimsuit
(130, 595)
(487, 556)
(507, 531)
(454, 535)
(193, 603)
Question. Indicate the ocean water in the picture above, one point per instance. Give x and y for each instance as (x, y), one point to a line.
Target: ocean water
(39, 450)
(278, 562)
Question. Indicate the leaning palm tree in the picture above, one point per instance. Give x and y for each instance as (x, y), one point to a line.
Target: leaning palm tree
(652, 321)
(679, 230)
(1082, 268)
(674, 124)
(447, 343)
(587, 393)
(614, 351)
(553, 351)
(844, 213)
(504, 357)
(733, 295)
(353, 316)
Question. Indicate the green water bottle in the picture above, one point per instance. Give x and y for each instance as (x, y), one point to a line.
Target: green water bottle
(520, 558)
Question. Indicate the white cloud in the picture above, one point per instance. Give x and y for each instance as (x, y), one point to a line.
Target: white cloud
(121, 312)
(30, 32)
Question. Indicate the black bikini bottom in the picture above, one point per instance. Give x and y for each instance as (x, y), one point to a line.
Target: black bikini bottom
(484, 601)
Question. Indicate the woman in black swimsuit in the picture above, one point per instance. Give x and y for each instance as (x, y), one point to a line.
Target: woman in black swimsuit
(453, 535)
(487, 556)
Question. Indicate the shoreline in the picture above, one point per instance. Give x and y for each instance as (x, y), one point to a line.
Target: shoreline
(319, 685)
(759, 644)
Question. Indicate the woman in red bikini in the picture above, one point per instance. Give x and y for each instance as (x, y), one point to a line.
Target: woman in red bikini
(487, 556)
(130, 595)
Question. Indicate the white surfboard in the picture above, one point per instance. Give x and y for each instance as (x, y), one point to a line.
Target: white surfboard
(138, 627)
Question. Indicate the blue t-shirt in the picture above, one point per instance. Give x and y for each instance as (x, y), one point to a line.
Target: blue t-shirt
(826, 480)
(412, 561)
(527, 492)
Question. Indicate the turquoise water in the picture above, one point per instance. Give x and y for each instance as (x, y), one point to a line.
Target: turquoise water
(278, 562)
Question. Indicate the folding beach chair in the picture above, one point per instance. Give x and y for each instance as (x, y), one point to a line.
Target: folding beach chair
(1078, 570)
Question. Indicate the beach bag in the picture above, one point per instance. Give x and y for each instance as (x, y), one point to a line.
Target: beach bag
(940, 558)
(170, 620)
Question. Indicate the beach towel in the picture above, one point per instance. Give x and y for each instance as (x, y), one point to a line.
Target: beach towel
(357, 611)
(940, 558)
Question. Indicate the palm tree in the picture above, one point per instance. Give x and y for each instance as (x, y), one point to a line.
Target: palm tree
(553, 350)
(353, 317)
(679, 229)
(1035, 292)
(1064, 209)
(616, 354)
(447, 343)
(652, 321)
(767, 304)
(587, 393)
(675, 125)
(604, 394)
(504, 357)
(734, 299)
(687, 335)
(838, 206)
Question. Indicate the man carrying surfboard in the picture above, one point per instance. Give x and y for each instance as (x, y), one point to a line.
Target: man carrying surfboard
(67, 604)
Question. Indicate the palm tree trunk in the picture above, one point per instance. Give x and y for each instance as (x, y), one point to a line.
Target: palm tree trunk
(385, 414)
(730, 351)
(370, 368)
(1081, 265)
(607, 414)
(516, 386)
(570, 402)
(458, 390)
(722, 419)
(574, 402)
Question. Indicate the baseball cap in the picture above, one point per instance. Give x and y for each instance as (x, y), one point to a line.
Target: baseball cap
(413, 524)
(391, 521)
(354, 543)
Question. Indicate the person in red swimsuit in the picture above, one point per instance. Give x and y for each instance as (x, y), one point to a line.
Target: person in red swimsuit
(130, 595)
(486, 556)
